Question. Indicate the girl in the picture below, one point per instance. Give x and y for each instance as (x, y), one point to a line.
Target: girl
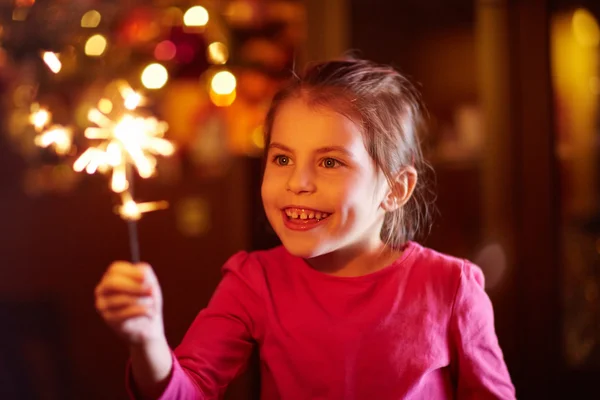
(349, 307)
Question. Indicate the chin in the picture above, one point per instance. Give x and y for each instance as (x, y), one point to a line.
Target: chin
(304, 250)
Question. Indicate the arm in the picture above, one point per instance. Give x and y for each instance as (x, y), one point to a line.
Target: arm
(151, 365)
(217, 345)
(480, 367)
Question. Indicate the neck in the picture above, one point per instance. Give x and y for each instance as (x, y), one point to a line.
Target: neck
(355, 261)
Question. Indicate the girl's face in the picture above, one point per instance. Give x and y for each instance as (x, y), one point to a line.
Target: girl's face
(321, 189)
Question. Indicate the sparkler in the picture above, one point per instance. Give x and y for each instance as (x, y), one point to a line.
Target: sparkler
(128, 142)
(56, 136)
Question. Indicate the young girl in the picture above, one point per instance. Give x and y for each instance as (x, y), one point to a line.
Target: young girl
(349, 307)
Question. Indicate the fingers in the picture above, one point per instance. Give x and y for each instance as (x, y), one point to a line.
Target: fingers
(135, 272)
(115, 283)
(118, 316)
(117, 302)
(129, 300)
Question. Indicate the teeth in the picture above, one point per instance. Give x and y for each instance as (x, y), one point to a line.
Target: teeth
(304, 214)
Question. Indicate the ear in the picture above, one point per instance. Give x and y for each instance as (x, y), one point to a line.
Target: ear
(401, 189)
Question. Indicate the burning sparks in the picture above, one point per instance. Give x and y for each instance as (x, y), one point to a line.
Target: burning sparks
(39, 118)
(58, 137)
(130, 140)
(132, 211)
(52, 61)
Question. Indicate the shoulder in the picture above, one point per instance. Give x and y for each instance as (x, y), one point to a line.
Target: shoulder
(444, 269)
(254, 266)
(244, 261)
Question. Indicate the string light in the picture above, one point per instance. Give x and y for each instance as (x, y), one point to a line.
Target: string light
(196, 16)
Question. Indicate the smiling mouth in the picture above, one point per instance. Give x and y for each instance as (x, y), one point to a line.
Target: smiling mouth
(304, 214)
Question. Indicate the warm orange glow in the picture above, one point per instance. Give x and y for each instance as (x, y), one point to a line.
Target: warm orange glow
(222, 100)
(105, 106)
(585, 28)
(91, 19)
(52, 61)
(154, 76)
(223, 82)
(258, 137)
(95, 46)
(196, 16)
(59, 137)
(575, 61)
(129, 140)
(132, 211)
(217, 53)
(131, 98)
(40, 118)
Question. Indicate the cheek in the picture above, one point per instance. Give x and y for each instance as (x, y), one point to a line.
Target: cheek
(358, 196)
(271, 185)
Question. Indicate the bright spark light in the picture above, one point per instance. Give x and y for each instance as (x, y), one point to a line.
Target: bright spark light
(52, 61)
(129, 140)
(132, 211)
(58, 137)
(131, 98)
(40, 118)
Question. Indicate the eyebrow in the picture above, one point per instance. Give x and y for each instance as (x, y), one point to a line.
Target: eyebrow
(321, 150)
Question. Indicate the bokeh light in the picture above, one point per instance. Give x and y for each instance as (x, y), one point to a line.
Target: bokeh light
(105, 105)
(95, 46)
(223, 83)
(39, 118)
(585, 28)
(217, 53)
(52, 61)
(258, 137)
(155, 76)
(165, 50)
(196, 16)
(91, 19)
(222, 100)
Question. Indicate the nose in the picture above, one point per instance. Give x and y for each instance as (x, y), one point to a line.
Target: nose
(301, 180)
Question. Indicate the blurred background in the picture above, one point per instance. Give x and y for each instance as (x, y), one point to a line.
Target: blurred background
(513, 91)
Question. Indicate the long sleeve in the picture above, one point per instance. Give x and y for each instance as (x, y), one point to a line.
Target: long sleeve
(216, 347)
(481, 370)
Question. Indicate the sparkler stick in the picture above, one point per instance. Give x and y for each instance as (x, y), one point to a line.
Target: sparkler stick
(134, 243)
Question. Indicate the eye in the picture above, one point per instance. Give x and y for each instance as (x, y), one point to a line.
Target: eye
(331, 163)
(281, 160)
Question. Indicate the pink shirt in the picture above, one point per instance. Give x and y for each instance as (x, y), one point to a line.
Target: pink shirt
(421, 328)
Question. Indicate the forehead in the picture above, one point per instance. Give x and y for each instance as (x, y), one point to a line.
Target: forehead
(299, 125)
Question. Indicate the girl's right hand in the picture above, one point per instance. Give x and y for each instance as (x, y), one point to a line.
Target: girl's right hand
(129, 299)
